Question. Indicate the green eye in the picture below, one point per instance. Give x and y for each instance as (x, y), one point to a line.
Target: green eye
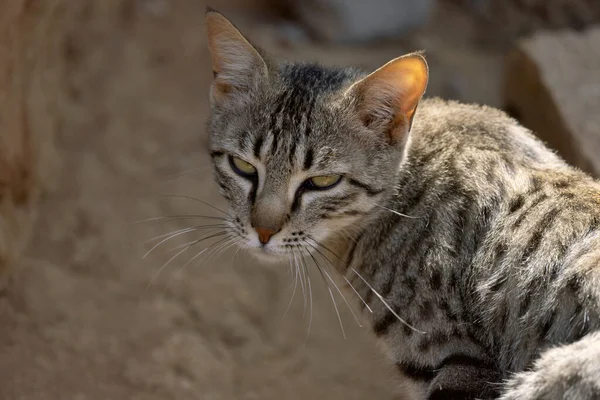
(242, 167)
(322, 182)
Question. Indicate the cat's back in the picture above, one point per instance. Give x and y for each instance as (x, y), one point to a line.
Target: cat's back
(475, 129)
(499, 219)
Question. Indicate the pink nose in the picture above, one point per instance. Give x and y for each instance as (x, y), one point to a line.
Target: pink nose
(264, 234)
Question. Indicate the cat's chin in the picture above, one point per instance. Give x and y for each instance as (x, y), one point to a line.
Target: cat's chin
(265, 256)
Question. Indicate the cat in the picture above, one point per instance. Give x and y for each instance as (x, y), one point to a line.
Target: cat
(472, 249)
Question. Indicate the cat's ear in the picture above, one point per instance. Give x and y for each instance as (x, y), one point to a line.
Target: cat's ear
(237, 65)
(388, 98)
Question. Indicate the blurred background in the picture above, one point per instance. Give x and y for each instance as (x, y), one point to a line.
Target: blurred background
(103, 105)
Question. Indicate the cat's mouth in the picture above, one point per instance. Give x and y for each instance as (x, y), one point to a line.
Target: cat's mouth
(275, 251)
(270, 254)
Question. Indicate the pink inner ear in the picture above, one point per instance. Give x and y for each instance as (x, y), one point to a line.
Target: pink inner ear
(390, 95)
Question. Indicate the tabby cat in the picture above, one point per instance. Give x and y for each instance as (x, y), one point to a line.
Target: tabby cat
(472, 249)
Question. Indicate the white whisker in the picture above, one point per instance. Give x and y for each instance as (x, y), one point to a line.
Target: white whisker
(178, 216)
(359, 296)
(310, 315)
(386, 304)
(295, 285)
(346, 279)
(337, 312)
(396, 212)
(167, 239)
(164, 266)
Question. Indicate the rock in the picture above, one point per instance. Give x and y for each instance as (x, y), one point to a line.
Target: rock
(553, 87)
(353, 21)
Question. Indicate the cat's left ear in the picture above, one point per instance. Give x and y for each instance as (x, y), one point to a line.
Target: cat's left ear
(237, 65)
(388, 98)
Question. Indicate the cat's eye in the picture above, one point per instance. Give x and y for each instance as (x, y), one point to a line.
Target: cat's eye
(242, 167)
(322, 182)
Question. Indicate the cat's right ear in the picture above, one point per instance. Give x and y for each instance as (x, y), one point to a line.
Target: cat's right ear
(237, 66)
(388, 98)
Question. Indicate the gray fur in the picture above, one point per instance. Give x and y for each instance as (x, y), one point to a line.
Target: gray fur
(481, 239)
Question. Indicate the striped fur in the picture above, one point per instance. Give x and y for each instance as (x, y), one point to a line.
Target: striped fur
(484, 242)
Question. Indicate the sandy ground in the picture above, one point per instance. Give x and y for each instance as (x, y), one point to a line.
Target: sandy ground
(88, 318)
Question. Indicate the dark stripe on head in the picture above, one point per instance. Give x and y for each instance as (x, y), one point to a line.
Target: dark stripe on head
(216, 154)
(252, 194)
(258, 146)
(308, 159)
(370, 190)
(292, 152)
(296, 202)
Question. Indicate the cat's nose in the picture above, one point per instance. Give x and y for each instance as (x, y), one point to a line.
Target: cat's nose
(264, 234)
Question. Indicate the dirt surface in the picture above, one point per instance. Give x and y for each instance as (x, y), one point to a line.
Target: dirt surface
(87, 318)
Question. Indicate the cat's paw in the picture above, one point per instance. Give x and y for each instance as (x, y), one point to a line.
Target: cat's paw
(568, 372)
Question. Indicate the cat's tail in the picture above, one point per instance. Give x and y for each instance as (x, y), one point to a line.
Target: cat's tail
(569, 372)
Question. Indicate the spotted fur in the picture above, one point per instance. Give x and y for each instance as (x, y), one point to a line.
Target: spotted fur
(476, 249)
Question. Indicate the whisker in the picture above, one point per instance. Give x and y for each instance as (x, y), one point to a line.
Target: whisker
(326, 248)
(386, 304)
(302, 285)
(225, 247)
(185, 247)
(234, 255)
(165, 240)
(165, 265)
(188, 262)
(396, 212)
(179, 216)
(199, 201)
(190, 229)
(200, 253)
(216, 251)
(335, 285)
(337, 312)
(330, 293)
(359, 296)
(310, 316)
(178, 231)
(343, 276)
(295, 285)
(203, 238)
(348, 235)
(196, 240)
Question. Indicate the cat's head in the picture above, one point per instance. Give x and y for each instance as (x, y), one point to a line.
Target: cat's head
(304, 152)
